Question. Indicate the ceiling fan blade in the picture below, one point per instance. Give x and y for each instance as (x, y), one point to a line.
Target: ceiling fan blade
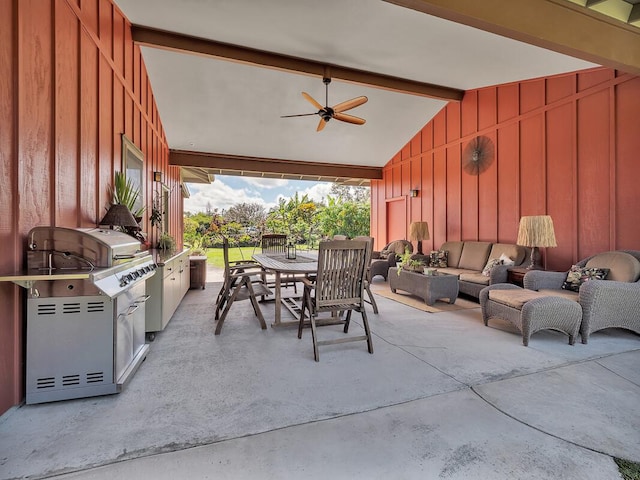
(321, 125)
(349, 118)
(299, 115)
(312, 101)
(349, 104)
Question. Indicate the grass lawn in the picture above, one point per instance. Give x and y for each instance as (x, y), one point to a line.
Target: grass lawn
(215, 258)
(629, 470)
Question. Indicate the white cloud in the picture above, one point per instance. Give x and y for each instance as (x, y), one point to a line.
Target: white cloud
(317, 192)
(221, 196)
(265, 182)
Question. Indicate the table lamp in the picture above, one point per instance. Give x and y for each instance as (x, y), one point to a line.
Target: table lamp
(536, 231)
(419, 231)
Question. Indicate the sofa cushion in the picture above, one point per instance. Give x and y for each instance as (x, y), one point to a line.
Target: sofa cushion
(454, 250)
(623, 267)
(398, 247)
(514, 298)
(568, 294)
(514, 252)
(438, 259)
(475, 277)
(474, 255)
(578, 275)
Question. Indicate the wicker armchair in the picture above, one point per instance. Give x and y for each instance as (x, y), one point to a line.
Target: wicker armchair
(610, 303)
(387, 257)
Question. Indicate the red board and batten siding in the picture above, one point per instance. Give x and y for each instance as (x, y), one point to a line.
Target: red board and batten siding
(72, 82)
(566, 146)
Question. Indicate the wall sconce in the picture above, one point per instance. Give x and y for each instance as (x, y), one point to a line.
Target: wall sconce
(157, 176)
(413, 193)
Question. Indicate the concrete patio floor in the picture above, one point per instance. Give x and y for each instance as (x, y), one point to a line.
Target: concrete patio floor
(443, 396)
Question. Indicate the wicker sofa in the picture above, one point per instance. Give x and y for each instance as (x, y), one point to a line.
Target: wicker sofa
(467, 259)
(610, 303)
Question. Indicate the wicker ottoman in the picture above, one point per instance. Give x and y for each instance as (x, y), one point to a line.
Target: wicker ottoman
(530, 311)
(428, 287)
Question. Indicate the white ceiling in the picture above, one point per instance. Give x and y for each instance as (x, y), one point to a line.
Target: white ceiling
(210, 105)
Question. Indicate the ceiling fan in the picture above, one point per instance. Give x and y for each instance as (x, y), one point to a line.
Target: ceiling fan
(327, 113)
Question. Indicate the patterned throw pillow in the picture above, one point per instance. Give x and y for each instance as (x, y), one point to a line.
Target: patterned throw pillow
(486, 271)
(506, 260)
(438, 258)
(578, 275)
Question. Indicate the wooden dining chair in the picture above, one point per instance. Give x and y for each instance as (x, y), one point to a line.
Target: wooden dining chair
(367, 284)
(338, 287)
(243, 280)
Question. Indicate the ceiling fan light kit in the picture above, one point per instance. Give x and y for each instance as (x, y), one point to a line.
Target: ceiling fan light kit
(326, 113)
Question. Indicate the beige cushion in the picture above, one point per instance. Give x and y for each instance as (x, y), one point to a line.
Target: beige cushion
(568, 294)
(623, 267)
(514, 298)
(475, 278)
(455, 271)
(454, 250)
(514, 252)
(474, 255)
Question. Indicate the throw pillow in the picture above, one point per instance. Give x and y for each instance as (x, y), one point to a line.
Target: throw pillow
(578, 275)
(486, 271)
(438, 258)
(506, 260)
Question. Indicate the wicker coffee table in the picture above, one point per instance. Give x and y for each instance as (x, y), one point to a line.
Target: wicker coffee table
(428, 287)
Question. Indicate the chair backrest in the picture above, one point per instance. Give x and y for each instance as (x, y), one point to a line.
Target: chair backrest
(365, 238)
(342, 268)
(274, 243)
(225, 255)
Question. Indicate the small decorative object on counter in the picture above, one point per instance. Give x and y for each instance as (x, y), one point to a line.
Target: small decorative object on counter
(291, 251)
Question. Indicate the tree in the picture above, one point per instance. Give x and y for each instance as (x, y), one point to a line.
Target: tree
(347, 193)
(246, 214)
(348, 218)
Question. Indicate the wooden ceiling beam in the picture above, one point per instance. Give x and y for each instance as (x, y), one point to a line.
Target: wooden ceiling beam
(557, 25)
(184, 158)
(152, 37)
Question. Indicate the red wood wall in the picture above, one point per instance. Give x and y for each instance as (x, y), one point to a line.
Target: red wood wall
(567, 146)
(71, 82)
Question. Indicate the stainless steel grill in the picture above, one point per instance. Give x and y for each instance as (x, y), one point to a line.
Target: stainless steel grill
(85, 311)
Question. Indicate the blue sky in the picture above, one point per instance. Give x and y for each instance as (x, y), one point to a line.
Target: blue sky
(226, 191)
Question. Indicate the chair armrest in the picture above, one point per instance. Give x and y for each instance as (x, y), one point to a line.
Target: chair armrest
(421, 258)
(375, 255)
(610, 296)
(538, 279)
(499, 274)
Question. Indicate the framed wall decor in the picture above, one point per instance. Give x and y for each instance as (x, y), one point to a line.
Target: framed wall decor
(133, 167)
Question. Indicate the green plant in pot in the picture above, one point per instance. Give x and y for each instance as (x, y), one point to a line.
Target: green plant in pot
(409, 264)
(166, 242)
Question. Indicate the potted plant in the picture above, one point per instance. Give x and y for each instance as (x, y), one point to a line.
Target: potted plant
(166, 242)
(409, 264)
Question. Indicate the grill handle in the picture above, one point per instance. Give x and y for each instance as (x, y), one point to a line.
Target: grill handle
(132, 308)
(124, 257)
(143, 299)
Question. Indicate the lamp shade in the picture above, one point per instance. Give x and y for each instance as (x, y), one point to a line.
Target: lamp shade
(536, 231)
(419, 231)
(119, 216)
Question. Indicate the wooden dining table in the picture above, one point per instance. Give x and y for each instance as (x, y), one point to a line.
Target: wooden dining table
(277, 263)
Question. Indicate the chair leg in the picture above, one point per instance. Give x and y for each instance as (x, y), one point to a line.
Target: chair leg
(316, 353)
(305, 298)
(226, 310)
(372, 300)
(256, 307)
(347, 321)
(367, 331)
